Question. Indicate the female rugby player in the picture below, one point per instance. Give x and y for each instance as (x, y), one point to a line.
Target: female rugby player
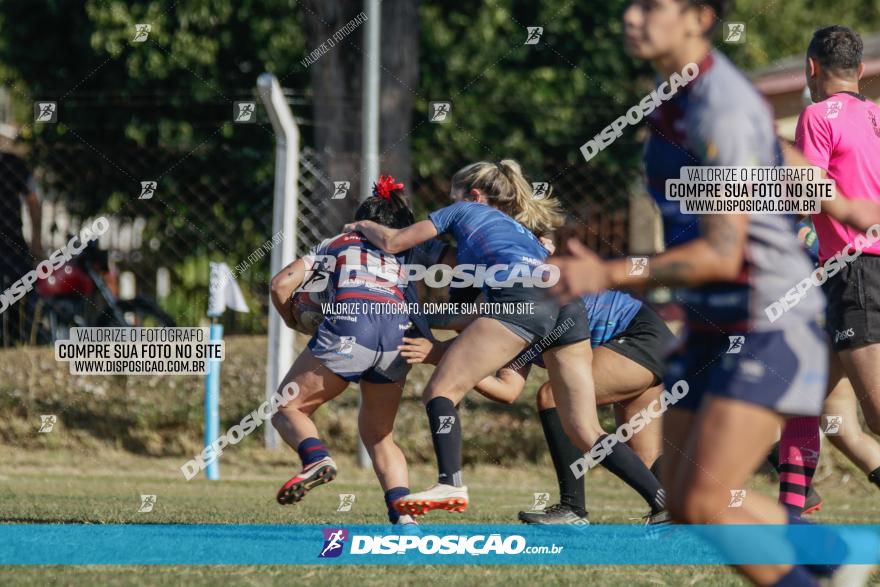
(494, 220)
(629, 343)
(358, 344)
(731, 267)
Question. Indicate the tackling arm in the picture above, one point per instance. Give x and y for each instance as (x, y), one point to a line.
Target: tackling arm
(717, 255)
(505, 386)
(283, 286)
(394, 240)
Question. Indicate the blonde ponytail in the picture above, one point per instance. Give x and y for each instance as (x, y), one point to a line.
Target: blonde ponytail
(506, 188)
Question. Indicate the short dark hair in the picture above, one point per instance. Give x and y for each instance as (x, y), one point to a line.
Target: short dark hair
(720, 7)
(392, 211)
(837, 48)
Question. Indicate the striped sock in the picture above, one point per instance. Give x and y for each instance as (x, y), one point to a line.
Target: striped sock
(311, 450)
(798, 576)
(798, 458)
(832, 545)
(391, 496)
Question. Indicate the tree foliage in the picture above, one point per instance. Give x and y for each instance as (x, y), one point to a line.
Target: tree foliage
(537, 103)
(172, 93)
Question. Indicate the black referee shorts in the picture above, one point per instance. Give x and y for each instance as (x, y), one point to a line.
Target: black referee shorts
(853, 314)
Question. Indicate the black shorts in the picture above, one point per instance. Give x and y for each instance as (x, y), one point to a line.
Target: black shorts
(529, 312)
(647, 340)
(853, 315)
(572, 325)
(536, 317)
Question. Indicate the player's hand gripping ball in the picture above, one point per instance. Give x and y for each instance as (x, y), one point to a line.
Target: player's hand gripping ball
(305, 304)
(306, 310)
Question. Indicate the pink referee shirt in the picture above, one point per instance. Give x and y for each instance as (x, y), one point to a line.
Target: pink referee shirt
(842, 135)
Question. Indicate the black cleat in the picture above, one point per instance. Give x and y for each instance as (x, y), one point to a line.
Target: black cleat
(659, 519)
(657, 525)
(814, 502)
(555, 514)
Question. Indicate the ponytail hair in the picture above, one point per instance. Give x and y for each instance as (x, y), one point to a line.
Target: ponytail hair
(387, 206)
(506, 188)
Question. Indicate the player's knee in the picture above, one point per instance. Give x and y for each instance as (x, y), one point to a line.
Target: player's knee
(580, 432)
(282, 414)
(428, 394)
(544, 397)
(694, 510)
(278, 419)
(452, 391)
(699, 503)
(376, 435)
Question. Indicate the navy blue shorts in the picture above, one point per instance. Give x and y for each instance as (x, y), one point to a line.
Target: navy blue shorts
(785, 371)
(363, 346)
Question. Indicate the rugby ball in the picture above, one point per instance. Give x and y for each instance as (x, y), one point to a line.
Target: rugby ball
(306, 310)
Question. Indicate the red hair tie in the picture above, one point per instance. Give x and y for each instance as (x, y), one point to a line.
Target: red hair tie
(386, 185)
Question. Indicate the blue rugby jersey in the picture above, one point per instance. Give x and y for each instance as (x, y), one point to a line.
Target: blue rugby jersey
(609, 313)
(486, 236)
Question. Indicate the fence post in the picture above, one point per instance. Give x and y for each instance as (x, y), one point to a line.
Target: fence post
(370, 138)
(284, 218)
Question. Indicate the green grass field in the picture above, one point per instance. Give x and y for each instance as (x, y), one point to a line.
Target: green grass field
(104, 487)
(120, 437)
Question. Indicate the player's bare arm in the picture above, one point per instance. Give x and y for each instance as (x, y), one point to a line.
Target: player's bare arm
(716, 256)
(392, 240)
(858, 213)
(422, 350)
(283, 286)
(505, 386)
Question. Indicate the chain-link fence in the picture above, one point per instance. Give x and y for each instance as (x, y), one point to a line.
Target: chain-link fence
(175, 206)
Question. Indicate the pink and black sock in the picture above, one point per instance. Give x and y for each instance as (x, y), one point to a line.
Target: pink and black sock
(798, 458)
(311, 450)
(391, 496)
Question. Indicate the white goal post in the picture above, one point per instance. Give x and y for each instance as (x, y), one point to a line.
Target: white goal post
(284, 214)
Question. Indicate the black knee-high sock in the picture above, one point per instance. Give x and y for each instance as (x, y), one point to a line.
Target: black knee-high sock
(446, 434)
(624, 463)
(563, 453)
(874, 477)
(773, 457)
(656, 468)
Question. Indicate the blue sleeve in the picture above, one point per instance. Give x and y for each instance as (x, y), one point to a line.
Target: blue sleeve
(444, 218)
(428, 253)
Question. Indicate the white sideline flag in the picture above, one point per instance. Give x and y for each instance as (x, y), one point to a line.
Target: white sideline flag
(223, 291)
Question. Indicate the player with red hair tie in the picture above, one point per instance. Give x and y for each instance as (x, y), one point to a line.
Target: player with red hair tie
(357, 343)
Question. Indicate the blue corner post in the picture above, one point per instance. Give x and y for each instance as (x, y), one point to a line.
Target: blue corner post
(212, 402)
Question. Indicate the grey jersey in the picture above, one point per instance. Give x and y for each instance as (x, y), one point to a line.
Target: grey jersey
(719, 119)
